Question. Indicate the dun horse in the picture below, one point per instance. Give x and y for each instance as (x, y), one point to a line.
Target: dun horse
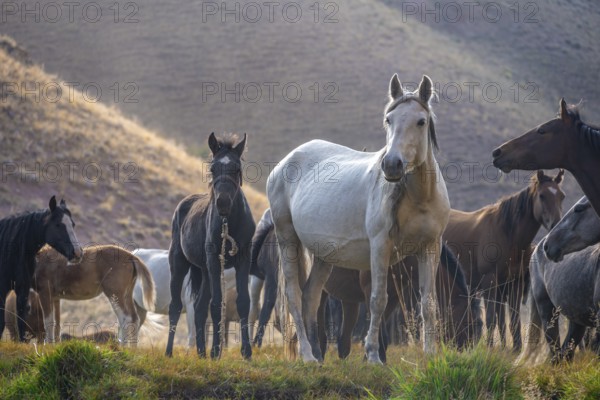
(365, 211)
(103, 269)
(494, 247)
(563, 142)
(198, 225)
(21, 237)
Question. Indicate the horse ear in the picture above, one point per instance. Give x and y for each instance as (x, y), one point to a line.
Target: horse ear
(239, 148)
(559, 177)
(213, 143)
(540, 175)
(52, 204)
(395, 88)
(564, 115)
(425, 89)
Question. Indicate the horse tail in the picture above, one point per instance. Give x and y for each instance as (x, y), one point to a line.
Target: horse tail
(290, 338)
(455, 270)
(148, 288)
(265, 226)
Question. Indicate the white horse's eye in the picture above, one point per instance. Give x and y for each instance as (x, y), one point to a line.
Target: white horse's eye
(387, 121)
(421, 122)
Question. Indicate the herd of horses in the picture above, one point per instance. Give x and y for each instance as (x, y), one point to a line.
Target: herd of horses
(380, 232)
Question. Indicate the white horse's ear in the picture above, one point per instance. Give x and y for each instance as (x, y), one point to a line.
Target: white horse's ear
(540, 175)
(425, 89)
(395, 88)
(213, 143)
(564, 114)
(239, 148)
(559, 177)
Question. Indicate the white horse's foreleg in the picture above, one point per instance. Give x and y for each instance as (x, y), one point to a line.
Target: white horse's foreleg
(311, 298)
(429, 258)
(380, 260)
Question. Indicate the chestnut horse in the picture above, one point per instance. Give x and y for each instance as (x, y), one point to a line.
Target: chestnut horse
(103, 269)
(494, 246)
(563, 142)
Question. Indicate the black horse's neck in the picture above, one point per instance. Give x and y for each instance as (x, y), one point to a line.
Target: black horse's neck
(23, 235)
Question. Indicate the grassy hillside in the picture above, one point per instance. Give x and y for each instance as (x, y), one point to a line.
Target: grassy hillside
(175, 54)
(121, 181)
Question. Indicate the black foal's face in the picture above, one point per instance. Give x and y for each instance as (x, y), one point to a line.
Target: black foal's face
(226, 173)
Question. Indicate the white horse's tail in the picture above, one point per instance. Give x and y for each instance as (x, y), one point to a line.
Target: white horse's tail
(148, 288)
(288, 331)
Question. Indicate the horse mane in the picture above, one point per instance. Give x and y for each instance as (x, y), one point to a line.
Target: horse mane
(414, 97)
(517, 205)
(14, 232)
(591, 134)
(395, 193)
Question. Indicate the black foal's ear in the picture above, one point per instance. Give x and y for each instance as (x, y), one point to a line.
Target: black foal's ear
(213, 143)
(52, 204)
(239, 148)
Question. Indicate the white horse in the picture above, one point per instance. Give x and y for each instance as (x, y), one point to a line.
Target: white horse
(362, 211)
(157, 261)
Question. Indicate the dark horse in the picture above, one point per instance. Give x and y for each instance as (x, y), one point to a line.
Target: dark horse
(264, 265)
(563, 142)
(196, 246)
(460, 322)
(21, 237)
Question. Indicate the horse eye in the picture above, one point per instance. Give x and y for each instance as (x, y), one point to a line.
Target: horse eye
(579, 208)
(387, 121)
(541, 131)
(421, 122)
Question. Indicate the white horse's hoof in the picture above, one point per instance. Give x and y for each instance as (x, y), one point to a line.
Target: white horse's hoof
(309, 358)
(374, 359)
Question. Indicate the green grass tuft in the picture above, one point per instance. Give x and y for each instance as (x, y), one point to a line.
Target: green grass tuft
(477, 374)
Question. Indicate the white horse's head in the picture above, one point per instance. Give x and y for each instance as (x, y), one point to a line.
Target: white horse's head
(409, 124)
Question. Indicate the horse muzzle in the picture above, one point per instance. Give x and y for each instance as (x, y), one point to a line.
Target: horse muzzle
(224, 205)
(553, 253)
(500, 162)
(393, 168)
